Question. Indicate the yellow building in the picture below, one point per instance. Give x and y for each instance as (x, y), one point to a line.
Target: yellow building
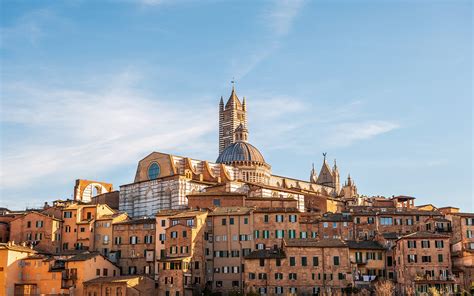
(10, 270)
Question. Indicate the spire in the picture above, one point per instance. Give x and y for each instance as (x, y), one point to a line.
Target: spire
(349, 180)
(221, 104)
(244, 106)
(313, 177)
(335, 165)
(325, 175)
(233, 101)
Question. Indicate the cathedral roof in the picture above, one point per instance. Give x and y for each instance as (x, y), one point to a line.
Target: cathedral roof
(240, 151)
(325, 175)
(233, 101)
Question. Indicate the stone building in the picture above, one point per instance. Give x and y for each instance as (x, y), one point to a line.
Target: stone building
(301, 267)
(133, 246)
(423, 260)
(37, 229)
(78, 225)
(164, 181)
(181, 263)
(127, 285)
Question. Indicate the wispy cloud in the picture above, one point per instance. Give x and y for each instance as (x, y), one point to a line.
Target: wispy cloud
(278, 19)
(78, 133)
(345, 134)
(29, 28)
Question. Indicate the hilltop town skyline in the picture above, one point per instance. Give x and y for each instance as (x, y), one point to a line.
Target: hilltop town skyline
(386, 98)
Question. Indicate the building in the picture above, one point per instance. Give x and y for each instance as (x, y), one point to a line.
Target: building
(78, 225)
(38, 229)
(423, 260)
(181, 265)
(10, 270)
(301, 267)
(163, 181)
(133, 246)
(103, 232)
(127, 285)
(84, 267)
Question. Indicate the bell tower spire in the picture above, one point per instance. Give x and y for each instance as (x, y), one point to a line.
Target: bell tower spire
(231, 116)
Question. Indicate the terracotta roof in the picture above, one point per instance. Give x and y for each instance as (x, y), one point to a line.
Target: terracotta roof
(277, 210)
(315, 243)
(114, 279)
(137, 221)
(371, 245)
(424, 234)
(220, 211)
(266, 254)
(391, 235)
(217, 194)
(83, 256)
(17, 248)
(336, 217)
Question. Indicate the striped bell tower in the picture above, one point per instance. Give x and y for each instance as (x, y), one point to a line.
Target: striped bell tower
(231, 116)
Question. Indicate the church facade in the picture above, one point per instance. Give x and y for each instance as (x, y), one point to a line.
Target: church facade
(164, 181)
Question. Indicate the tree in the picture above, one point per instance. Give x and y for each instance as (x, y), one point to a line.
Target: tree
(384, 288)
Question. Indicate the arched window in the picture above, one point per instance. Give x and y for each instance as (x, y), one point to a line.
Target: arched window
(153, 171)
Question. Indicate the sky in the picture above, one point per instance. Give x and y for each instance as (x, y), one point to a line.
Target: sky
(88, 88)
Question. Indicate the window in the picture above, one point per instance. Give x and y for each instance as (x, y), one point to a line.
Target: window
(118, 240)
(439, 244)
(409, 221)
(133, 240)
(185, 233)
(341, 276)
(292, 276)
(278, 276)
(246, 220)
(105, 272)
(216, 202)
(315, 261)
(411, 244)
(279, 218)
(336, 260)
(325, 224)
(39, 224)
(334, 224)
(278, 290)
(265, 218)
(262, 262)
(148, 239)
(83, 229)
(357, 220)
(303, 234)
(412, 258)
(386, 221)
(251, 276)
(231, 221)
(293, 218)
(97, 272)
(279, 233)
(174, 234)
(292, 233)
(266, 234)
(262, 276)
(224, 221)
(370, 220)
(67, 214)
(304, 261)
(153, 171)
(190, 222)
(425, 259)
(425, 244)
(292, 261)
(440, 257)
(469, 233)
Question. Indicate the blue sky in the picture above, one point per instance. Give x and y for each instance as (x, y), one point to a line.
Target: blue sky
(88, 88)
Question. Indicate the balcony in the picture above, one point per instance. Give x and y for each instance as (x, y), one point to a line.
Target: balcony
(434, 279)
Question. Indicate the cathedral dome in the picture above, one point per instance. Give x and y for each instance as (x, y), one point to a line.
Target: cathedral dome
(240, 151)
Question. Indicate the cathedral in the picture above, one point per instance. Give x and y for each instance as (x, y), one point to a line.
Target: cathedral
(165, 181)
